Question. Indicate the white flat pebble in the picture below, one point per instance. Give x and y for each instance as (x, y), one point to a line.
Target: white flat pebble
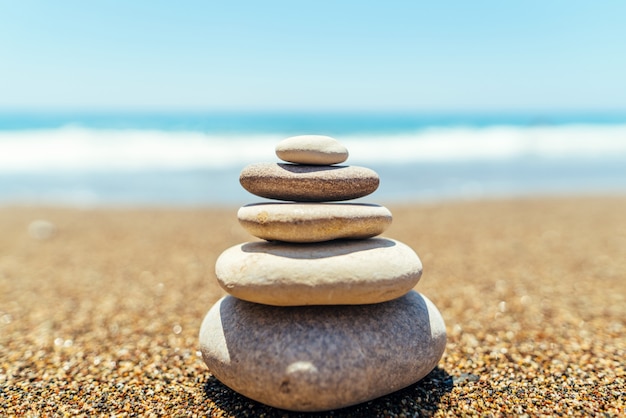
(326, 273)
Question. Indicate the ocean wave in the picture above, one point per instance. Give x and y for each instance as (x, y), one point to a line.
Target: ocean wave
(81, 149)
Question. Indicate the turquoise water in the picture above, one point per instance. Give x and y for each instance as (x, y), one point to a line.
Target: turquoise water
(294, 123)
(191, 159)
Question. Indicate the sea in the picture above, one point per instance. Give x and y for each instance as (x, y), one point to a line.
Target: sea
(193, 159)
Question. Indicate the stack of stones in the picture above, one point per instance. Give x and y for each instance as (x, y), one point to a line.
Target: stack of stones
(320, 314)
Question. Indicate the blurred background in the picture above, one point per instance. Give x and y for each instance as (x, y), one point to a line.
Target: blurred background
(163, 103)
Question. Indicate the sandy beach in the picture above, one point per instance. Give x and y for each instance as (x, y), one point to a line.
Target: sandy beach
(100, 310)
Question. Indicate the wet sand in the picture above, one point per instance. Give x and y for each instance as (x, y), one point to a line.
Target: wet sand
(102, 317)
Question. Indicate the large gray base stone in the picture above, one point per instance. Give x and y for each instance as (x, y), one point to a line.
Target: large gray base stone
(315, 358)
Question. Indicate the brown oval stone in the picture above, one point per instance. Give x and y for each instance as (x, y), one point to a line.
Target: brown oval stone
(308, 183)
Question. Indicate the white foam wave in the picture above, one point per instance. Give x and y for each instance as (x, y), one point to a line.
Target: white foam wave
(495, 143)
(84, 149)
(71, 149)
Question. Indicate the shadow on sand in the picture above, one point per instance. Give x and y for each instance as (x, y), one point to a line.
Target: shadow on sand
(418, 400)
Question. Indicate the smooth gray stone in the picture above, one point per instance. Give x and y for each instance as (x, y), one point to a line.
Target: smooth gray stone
(313, 222)
(311, 149)
(308, 183)
(342, 272)
(316, 358)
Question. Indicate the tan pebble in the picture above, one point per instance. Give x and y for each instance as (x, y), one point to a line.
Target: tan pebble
(311, 149)
(308, 183)
(314, 222)
(41, 229)
(325, 273)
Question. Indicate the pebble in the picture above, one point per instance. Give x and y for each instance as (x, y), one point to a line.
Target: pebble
(314, 222)
(308, 183)
(326, 273)
(311, 149)
(316, 358)
(41, 229)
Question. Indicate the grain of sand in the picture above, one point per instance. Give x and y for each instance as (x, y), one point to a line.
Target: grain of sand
(100, 310)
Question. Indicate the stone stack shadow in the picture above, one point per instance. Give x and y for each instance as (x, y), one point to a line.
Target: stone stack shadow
(320, 314)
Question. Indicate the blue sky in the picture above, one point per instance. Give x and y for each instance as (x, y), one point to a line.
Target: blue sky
(548, 55)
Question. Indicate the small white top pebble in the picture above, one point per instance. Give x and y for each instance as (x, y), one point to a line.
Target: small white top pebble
(311, 149)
